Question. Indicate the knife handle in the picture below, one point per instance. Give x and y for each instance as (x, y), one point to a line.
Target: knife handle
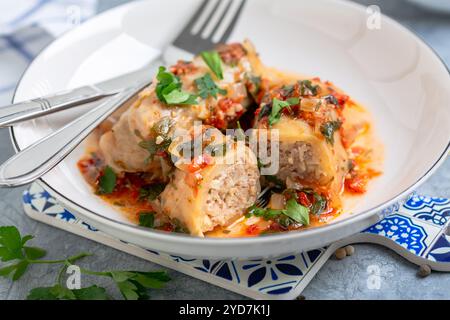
(31, 109)
(37, 159)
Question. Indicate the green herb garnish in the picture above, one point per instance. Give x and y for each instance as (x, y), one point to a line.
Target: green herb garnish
(214, 62)
(152, 191)
(293, 101)
(307, 88)
(293, 213)
(207, 87)
(329, 128)
(297, 212)
(320, 202)
(13, 248)
(319, 205)
(169, 90)
(58, 292)
(147, 219)
(277, 108)
(254, 84)
(265, 111)
(160, 129)
(108, 180)
(132, 284)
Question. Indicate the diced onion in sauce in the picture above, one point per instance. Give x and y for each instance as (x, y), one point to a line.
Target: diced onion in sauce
(277, 201)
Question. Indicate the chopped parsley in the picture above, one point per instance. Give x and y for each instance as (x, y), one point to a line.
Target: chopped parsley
(163, 126)
(147, 219)
(319, 204)
(293, 213)
(160, 141)
(151, 192)
(107, 181)
(331, 99)
(277, 107)
(169, 90)
(307, 88)
(207, 87)
(214, 62)
(254, 84)
(329, 128)
(297, 212)
(264, 111)
(293, 101)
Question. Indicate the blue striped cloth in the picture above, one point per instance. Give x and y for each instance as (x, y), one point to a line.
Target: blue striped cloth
(27, 26)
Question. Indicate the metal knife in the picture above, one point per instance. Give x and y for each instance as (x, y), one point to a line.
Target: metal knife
(15, 113)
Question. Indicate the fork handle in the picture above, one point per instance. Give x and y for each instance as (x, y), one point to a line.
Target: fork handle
(22, 111)
(39, 158)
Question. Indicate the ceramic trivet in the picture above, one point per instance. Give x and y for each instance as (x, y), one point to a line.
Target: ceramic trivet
(417, 229)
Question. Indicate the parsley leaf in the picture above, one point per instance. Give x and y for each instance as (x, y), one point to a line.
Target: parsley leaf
(134, 284)
(253, 84)
(264, 111)
(160, 132)
(293, 213)
(108, 180)
(329, 128)
(307, 88)
(207, 87)
(214, 62)
(58, 292)
(11, 244)
(12, 247)
(319, 205)
(297, 212)
(147, 219)
(277, 108)
(293, 101)
(152, 191)
(169, 90)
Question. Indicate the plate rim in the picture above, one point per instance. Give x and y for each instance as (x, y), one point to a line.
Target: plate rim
(295, 235)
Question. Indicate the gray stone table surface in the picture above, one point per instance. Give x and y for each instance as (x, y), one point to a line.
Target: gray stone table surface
(344, 279)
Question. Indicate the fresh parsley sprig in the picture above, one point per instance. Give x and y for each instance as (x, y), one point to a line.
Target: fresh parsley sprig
(277, 109)
(107, 181)
(169, 90)
(208, 88)
(329, 128)
(214, 62)
(292, 214)
(133, 285)
(160, 140)
(147, 219)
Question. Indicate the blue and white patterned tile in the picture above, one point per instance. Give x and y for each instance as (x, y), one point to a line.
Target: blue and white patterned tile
(419, 231)
(433, 210)
(279, 275)
(413, 234)
(276, 277)
(440, 251)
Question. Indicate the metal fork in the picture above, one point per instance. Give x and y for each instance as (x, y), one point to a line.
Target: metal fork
(212, 23)
(208, 26)
(263, 198)
(39, 158)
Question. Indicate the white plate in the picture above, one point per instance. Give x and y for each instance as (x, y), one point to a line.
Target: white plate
(389, 70)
